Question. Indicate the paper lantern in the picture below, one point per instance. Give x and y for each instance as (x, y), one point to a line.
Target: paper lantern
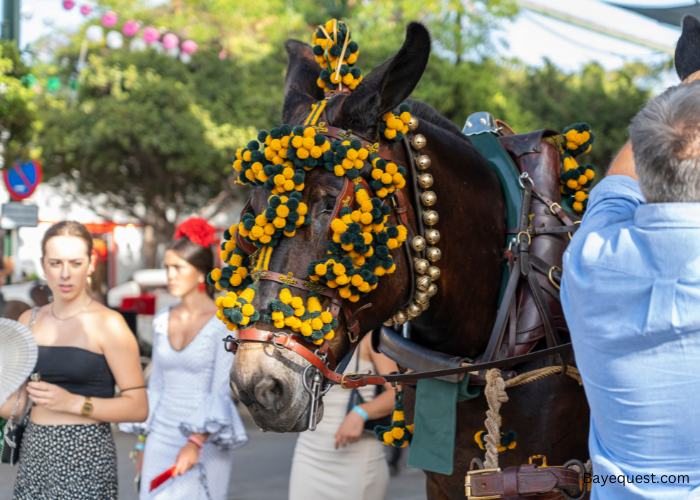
(189, 47)
(151, 35)
(68, 4)
(94, 33)
(26, 12)
(130, 28)
(109, 19)
(138, 45)
(170, 41)
(185, 58)
(115, 40)
(85, 10)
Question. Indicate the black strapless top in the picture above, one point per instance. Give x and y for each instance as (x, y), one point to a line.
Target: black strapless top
(76, 370)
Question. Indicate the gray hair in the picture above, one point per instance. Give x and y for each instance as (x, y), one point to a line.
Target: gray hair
(665, 138)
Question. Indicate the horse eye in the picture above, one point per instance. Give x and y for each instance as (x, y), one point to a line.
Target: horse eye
(328, 207)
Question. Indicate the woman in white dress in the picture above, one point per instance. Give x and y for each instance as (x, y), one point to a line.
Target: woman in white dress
(193, 424)
(338, 461)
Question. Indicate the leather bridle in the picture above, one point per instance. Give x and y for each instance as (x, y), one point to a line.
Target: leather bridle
(322, 356)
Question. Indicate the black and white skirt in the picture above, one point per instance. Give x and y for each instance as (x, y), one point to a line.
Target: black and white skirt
(71, 462)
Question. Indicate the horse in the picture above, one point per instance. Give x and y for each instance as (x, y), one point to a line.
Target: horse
(550, 416)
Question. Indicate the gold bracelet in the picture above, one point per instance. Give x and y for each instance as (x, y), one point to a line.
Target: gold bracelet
(86, 409)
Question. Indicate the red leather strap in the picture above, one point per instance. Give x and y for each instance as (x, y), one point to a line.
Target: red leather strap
(294, 343)
(401, 207)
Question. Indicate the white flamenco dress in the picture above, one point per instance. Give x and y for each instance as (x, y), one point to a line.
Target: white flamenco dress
(188, 392)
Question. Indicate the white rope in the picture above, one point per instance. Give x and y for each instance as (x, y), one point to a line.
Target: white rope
(495, 396)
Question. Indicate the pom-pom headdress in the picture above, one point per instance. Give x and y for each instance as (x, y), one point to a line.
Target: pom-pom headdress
(198, 230)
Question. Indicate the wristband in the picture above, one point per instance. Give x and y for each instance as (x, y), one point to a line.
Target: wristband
(140, 446)
(360, 412)
(142, 437)
(196, 441)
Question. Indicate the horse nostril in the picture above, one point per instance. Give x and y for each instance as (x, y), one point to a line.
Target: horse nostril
(244, 398)
(270, 393)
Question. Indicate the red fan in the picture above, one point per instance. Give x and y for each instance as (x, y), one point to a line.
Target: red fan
(162, 478)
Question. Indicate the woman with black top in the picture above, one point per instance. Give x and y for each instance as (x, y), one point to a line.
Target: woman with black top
(85, 349)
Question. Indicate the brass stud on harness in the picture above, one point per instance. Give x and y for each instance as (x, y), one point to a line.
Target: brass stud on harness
(418, 141)
(428, 198)
(430, 217)
(433, 272)
(413, 123)
(433, 254)
(432, 290)
(432, 236)
(423, 283)
(421, 297)
(425, 181)
(421, 266)
(418, 243)
(423, 161)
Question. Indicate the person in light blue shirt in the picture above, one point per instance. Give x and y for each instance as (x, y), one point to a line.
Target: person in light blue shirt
(631, 296)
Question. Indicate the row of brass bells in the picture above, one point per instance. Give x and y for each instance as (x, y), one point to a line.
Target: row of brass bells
(400, 318)
(432, 290)
(433, 272)
(413, 310)
(428, 198)
(425, 180)
(413, 123)
(418, 141)
(421, 297)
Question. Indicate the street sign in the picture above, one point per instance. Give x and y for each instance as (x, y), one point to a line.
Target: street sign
(22, 179)
(16, 215)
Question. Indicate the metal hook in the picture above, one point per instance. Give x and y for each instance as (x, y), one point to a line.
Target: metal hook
(525, 176)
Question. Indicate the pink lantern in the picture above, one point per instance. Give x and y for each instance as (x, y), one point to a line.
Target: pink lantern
(109, 19)
(151, 35)
(170, 41)
(222, 55)
(68, 4)
(130, 28)
(189, 47)
(85, 10)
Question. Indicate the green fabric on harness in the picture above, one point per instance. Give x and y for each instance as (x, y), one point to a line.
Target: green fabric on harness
(435, 423)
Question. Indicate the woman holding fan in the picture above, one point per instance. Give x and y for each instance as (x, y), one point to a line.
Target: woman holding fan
(193, 426)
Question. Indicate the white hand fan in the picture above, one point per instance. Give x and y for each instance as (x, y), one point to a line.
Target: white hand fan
(18, 353)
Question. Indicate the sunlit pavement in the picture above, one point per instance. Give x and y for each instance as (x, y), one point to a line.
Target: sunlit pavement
(251, 478)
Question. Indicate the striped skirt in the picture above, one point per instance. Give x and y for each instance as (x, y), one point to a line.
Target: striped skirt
(70, 462)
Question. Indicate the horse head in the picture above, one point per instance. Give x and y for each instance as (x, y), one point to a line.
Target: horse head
(268, 380)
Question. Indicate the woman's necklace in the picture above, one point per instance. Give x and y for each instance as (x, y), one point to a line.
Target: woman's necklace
(72, 315)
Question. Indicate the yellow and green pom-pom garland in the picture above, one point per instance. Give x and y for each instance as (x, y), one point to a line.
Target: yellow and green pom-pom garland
(311, 321)
(576, 180)
(398, 434)
(394, 127)
(336, 53)
(237, 310)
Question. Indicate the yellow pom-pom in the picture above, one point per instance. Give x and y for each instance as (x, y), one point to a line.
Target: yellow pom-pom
(397, 432)
(306, 329)
(326, 317)
(578, 206)
(339, 170)
(317, 323)
(339, 226)
(319, 341)
(228, 302)
(388, 437)
(405, 117)
(285, 296)
(590, 173)
(398, 415)
(572, 183)
(362, 154)
(410, 428)
(235, 280)
(216, 274)
(302, 153)
(582, 179)
(389, 133)
(580, 196)
(248, 309)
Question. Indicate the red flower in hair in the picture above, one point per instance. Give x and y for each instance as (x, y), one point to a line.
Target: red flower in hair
(198, 230)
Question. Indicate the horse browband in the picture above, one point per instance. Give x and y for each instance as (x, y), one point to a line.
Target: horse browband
(295, 342)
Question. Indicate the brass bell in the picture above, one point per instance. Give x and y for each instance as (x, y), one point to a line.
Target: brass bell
(425, 181)
(389, 322)
(421, 297)
(433, 272)
(400, 318)
(413, 124)
(413, 310)
(428, 198)
(432, 236)
(430, 217)
(433, 254)
(421, 266)
(425, 306)
(432, 290)
(418, 243)
(418, 141)
(423, 161)
(423, 283)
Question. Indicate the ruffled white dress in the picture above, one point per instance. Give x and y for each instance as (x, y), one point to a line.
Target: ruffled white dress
(188, 392)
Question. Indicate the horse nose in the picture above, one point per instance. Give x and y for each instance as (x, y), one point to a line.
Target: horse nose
(270, 392)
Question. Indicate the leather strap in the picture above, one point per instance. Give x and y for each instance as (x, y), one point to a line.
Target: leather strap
(525, 480)
(288, 279)
(536, 231)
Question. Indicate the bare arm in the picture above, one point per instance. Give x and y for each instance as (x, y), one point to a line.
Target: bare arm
(122, 354)
(623, 164)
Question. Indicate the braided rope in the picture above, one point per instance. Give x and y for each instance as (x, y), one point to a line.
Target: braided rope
(543, 373)
(495, 396)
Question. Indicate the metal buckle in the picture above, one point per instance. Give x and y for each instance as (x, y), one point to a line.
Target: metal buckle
(575, 222)
(551, 208)
(230, 340)
(280, 334)
(346, 375)
(468, 484)
(535, 457)
(551, 280)
(529, 238)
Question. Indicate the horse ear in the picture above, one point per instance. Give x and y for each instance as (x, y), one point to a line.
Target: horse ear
(687, 58)
(300, 83)
(390, 83)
